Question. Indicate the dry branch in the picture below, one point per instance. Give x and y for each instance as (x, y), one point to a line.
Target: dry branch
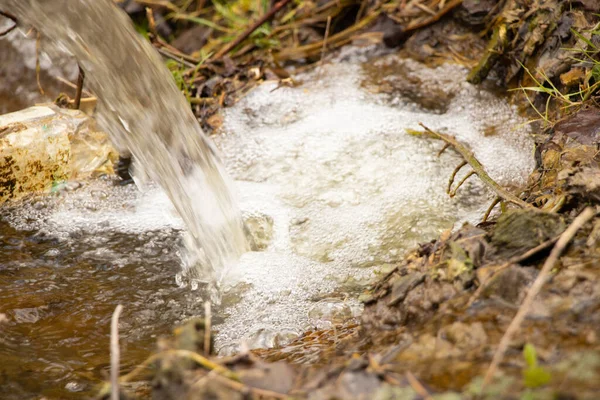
(468, 156)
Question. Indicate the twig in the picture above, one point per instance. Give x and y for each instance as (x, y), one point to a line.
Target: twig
(174, 51)
(452, 193)
(80, 79)
(175, 57)
(114, 353)
(151, 21)
(417, 386)
(496, 200)
(72, 85)
(244, 388)
(561, 244)
(434, 18)
(324, 49)
(478, 168)
(207, 327)
(453, 175)
(200, 360)
(335, 41)
(443, 149)
(38, 68)
(230, 46)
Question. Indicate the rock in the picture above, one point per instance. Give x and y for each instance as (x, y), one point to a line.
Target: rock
(476, 12)
(508, 284)
(258, 228)
(329, 311)
(277, 377)
(396, 77)
(44, 145)
(403, 285)
(465, 336)
(267, 338)
(520, 230)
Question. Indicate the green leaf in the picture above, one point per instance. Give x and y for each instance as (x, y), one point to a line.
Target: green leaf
(530, 355)
(527, 396)
(536, 376)
(583, 38)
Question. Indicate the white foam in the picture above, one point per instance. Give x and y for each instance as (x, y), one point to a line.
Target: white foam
(338, 159)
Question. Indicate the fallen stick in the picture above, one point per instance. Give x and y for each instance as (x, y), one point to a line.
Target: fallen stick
(197, 358)
(468, 156)
(515, 324)
(278, 6)
(114, 353)
(80, 78)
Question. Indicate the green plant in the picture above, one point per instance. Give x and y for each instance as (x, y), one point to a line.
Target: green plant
(533, 376)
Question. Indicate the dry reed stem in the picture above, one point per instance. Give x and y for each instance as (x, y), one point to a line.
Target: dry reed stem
(114, 353)
(417, 386)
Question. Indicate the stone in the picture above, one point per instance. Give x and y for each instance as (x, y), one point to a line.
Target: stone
(43, 146)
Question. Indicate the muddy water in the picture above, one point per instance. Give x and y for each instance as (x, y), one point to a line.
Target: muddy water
(331, 187)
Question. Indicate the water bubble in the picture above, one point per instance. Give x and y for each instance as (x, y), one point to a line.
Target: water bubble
(179, 280)
(75, 386)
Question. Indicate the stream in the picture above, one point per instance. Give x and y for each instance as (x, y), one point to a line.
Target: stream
(332, 188)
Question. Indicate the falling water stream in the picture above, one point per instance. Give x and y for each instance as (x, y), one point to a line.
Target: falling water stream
(331, 186)
(141, 108)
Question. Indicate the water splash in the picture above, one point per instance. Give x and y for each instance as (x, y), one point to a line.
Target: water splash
(144, 112)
